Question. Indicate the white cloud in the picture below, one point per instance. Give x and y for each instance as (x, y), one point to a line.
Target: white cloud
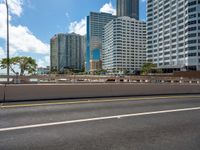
(21, 38)
(27, 42)
(44, 62)
(108, 8)
(78, 27)
(2, 53)
(3, 21)
(15, 6)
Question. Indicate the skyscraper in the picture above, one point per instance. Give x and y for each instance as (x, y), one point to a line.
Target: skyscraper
(173, 34)
(58, 52)
(128, 8)
(124, 45)
(67, 52)
(95, 23)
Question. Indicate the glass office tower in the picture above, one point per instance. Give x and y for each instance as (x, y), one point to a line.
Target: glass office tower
(95, 23)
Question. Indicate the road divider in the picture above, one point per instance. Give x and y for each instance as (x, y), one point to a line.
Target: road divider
(23, 92)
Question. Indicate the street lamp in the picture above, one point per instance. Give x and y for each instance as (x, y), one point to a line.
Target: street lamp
(8, 55)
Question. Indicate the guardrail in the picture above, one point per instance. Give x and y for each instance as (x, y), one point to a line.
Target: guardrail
(100, 79)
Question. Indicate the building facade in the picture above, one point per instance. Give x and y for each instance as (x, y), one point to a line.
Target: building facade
(173, 34)
(58, 52)
(124, 45)
(95, 23)
(67, 52)
(128, 8)
(95, 65)
(43, 70)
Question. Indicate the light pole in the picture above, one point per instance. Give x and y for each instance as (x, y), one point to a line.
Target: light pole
(8, 55)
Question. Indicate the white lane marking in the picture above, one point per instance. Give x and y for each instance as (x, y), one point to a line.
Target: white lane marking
(97, 119)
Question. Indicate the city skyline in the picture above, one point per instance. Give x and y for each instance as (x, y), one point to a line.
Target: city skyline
(28, 23)
(99, 74)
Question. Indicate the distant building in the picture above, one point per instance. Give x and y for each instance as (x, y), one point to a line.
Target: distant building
(43, 70)
(124, 45)
(67, 52)
(173, 34)
(128, 8)
(95, 65)
(58, 56)
(95, 23)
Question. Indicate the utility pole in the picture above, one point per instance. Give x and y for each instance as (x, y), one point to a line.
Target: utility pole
(8, 55)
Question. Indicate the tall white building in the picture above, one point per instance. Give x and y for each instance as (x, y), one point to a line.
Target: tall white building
(124, 45)
(173, 34)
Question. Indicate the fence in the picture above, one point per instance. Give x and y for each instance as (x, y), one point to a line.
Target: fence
(64, 79)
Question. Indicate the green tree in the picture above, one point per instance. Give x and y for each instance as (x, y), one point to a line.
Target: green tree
(23, 63)
(147, 68)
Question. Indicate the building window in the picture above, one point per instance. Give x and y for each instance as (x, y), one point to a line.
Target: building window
(192, 48)
(192, 16)
(192, 41)
(192, 28)
(192, 3)
(192, 54)
(192, 35)
(192, 9)
(192, 22)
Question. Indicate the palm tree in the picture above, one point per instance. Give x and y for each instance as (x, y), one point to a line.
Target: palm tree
(23, 63)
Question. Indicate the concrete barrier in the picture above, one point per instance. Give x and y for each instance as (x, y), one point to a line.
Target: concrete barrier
(154, 89)
(41, 92)
(1, 93)
(37, 92)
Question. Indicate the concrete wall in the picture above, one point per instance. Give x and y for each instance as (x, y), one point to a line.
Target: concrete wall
(1, 92)
(40, 92)
(187, 74)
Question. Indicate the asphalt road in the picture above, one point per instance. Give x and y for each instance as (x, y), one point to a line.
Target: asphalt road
(133, 123)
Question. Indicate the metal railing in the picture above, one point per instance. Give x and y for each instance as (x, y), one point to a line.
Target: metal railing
(36, 79)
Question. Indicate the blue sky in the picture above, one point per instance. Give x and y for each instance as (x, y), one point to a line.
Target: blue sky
(34, 22)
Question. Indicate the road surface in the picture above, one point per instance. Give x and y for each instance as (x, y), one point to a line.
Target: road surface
(132, 123)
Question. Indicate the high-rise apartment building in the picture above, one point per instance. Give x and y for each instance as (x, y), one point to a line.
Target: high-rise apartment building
(173, 34)
(67, 52)
(95, 23)
(128, 8)
(124, 45)
(58, 52)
